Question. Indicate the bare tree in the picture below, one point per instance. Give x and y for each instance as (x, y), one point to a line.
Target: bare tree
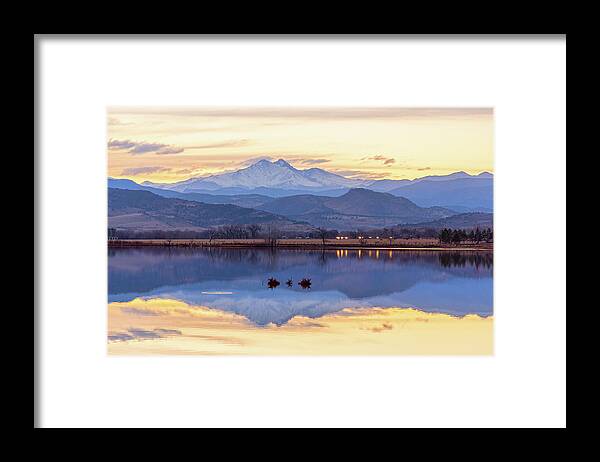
(253, 229)
(212, 233)
(234, 232)
(271, 235)
(322, 233)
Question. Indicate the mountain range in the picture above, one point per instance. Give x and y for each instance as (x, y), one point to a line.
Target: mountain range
(358, 208)
(278, 193)
(458, 191)
(143, 210)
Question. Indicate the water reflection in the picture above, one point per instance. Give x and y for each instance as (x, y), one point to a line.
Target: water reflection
(236, 280)
(462, 259)
(167, 326)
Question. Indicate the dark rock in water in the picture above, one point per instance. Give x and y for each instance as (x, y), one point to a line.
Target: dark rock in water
(289, 282)
(272, 283)
(305, 283)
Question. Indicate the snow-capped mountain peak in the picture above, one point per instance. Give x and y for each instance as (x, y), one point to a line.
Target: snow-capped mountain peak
(280, 174)
(283, 163)
(264, 173)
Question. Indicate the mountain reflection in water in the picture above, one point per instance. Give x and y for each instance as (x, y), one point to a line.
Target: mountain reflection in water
(235, 280)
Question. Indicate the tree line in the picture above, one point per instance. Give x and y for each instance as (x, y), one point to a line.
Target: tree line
(271, 233)
(252, 231)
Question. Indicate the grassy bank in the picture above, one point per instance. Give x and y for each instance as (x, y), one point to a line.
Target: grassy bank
(301, 243)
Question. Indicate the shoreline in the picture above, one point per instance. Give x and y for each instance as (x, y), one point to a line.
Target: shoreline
(308, 244)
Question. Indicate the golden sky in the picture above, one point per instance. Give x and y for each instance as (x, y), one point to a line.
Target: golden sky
(169, 144)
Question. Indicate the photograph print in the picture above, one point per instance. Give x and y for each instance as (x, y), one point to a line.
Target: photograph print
(300, 231)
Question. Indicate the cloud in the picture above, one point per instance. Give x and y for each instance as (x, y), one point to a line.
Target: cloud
(299, 322)
(222, 144)
(187, 171)
(377, 157)
(138, 170)
(120, 144)
(310, 161)
(136, 333)
(135, 147)
(385, 326)
(168, 331)
(143, 333)
(360, 174)
(139, 311)
(386, 160)
(157, 148)
(119, 337)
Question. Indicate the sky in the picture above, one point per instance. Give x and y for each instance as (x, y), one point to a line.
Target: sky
(169, 144)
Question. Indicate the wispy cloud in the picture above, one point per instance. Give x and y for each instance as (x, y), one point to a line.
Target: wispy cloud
(136, 147)
(184, 171)
(386, 160)
(139, 170)
(134, 333)
(302, 161)
(377, 157)
(156, 148)
(222, 144)
(139, 311)
(121, 144)
(377, 329)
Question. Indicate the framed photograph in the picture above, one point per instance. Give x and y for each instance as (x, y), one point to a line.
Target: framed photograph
(300, 231)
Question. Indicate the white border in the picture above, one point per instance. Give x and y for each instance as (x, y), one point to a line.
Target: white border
(524, 384)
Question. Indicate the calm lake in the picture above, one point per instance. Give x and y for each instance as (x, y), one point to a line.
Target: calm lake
(217, 301)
